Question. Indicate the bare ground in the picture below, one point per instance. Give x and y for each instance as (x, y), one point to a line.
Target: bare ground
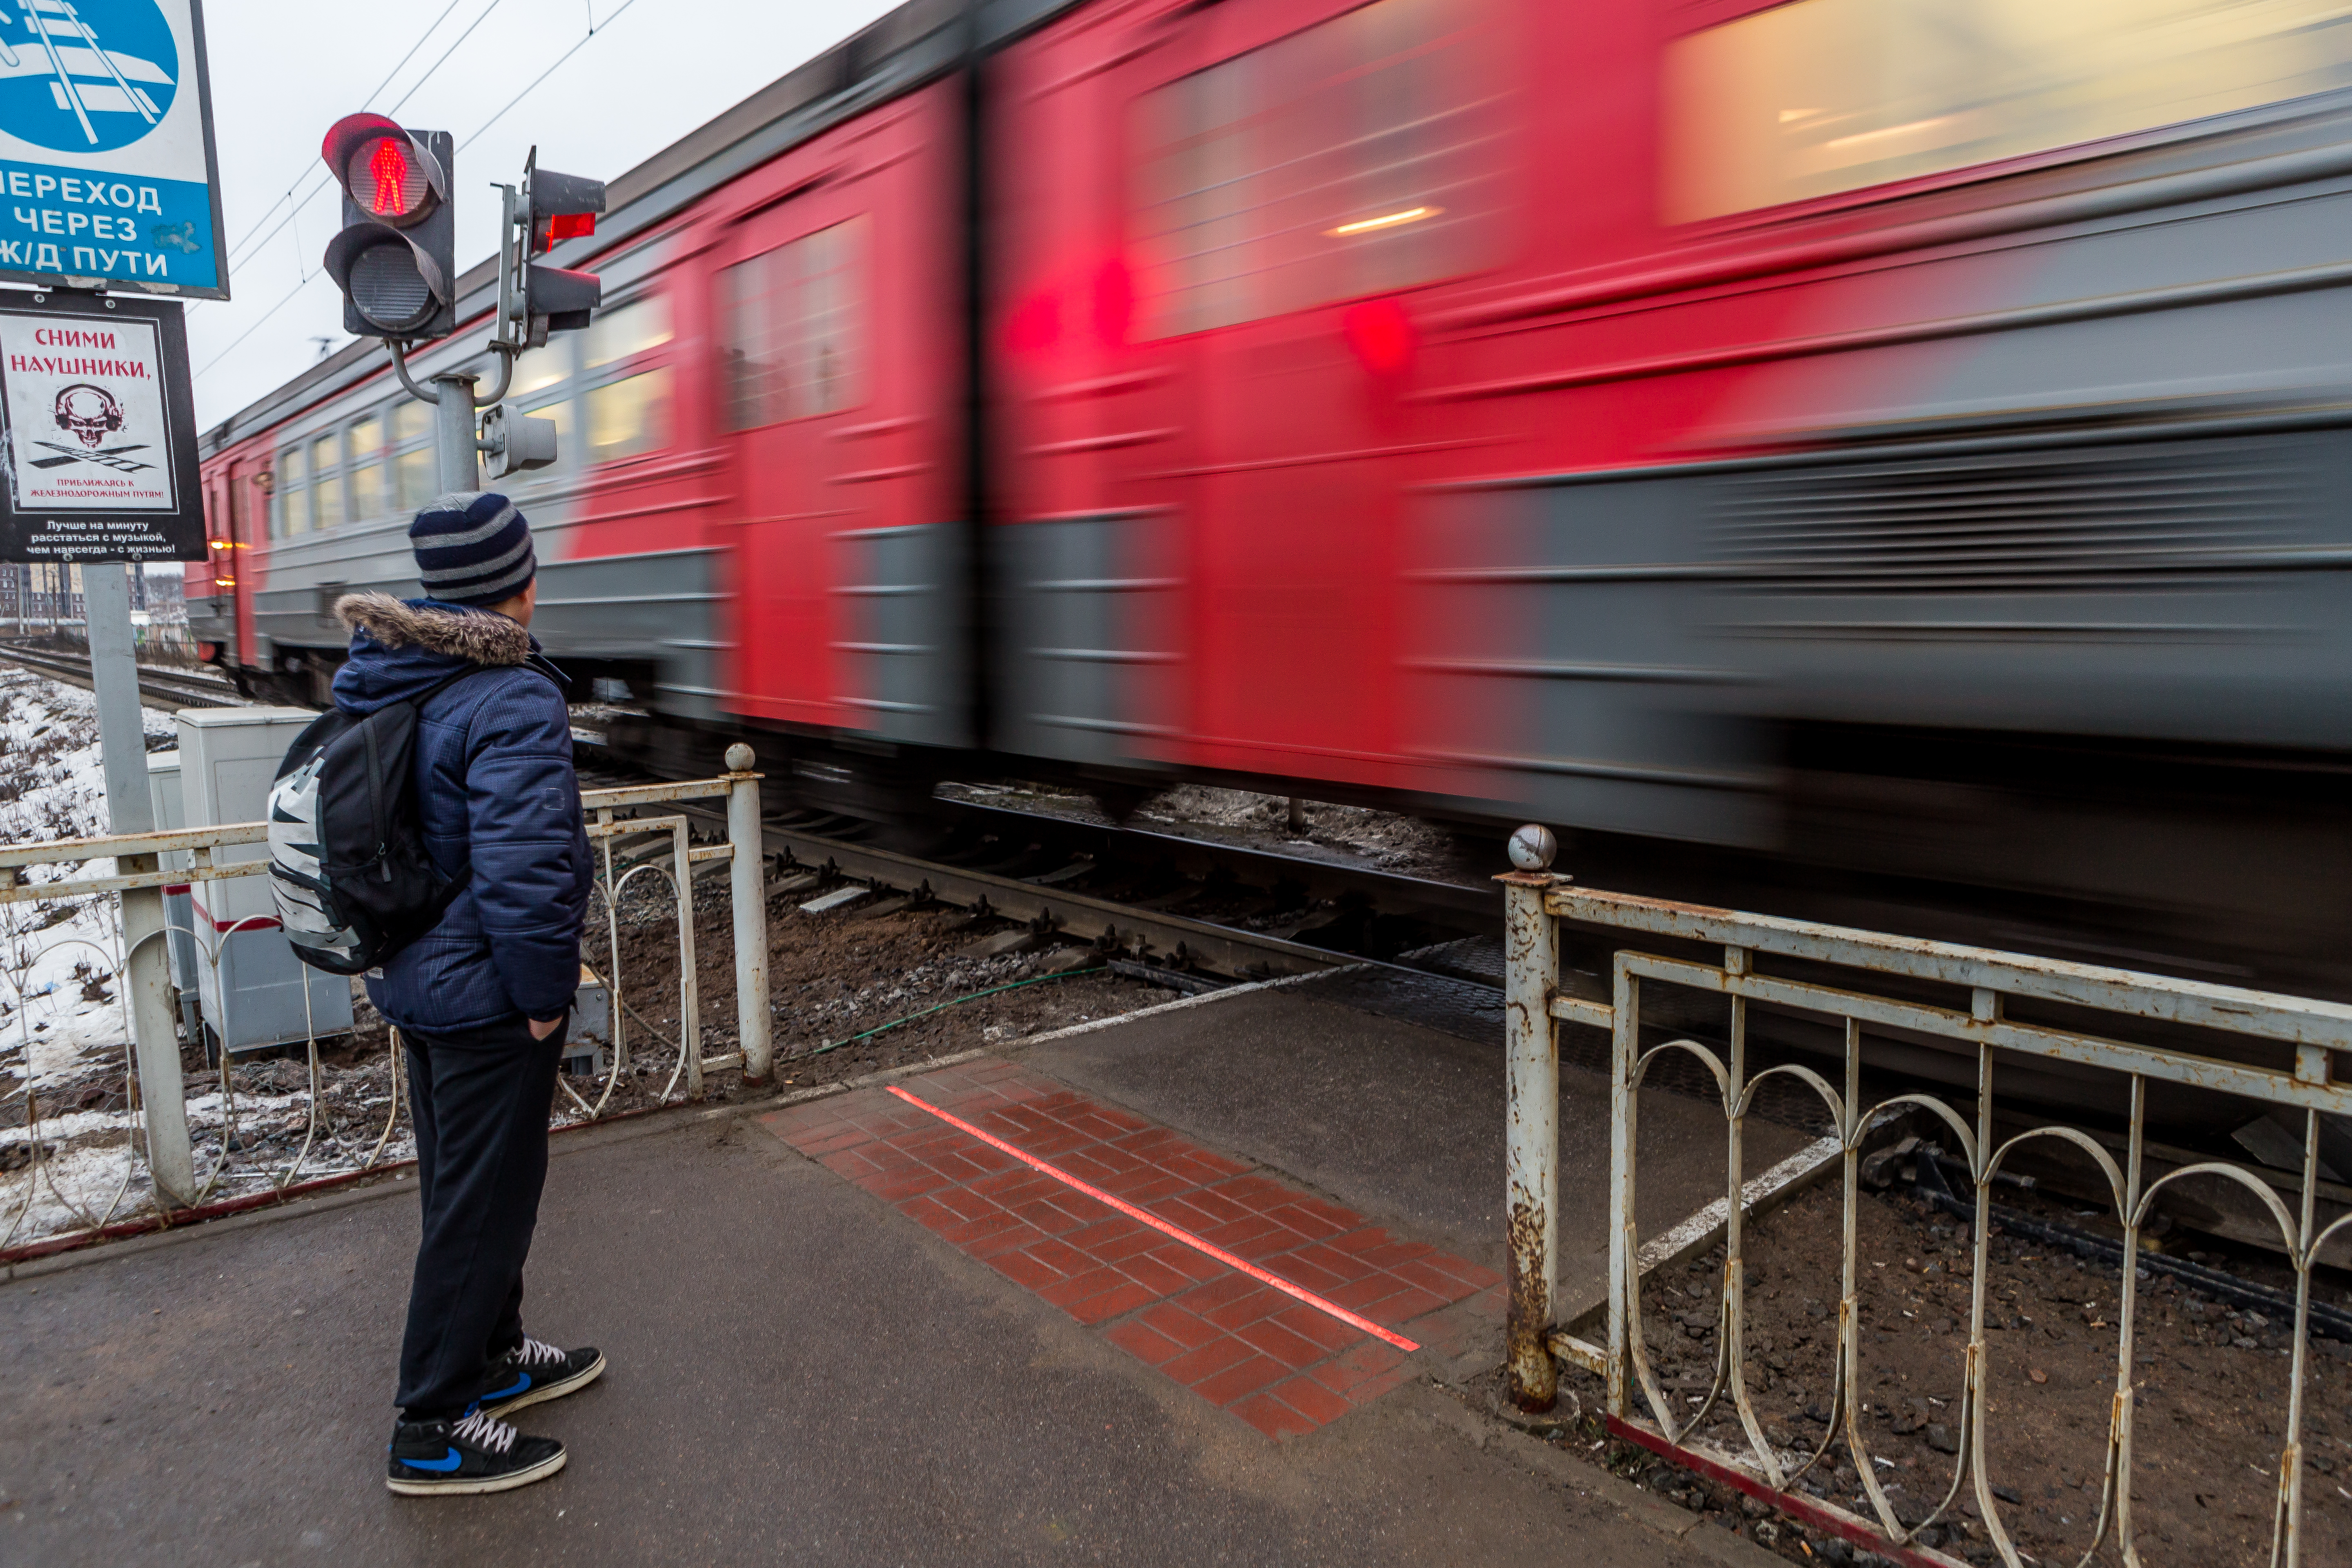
(2211, 1391)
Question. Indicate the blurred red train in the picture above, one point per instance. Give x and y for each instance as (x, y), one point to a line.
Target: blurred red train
(1905, 435)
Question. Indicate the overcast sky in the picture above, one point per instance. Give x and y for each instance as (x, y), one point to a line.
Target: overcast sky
(283, 71)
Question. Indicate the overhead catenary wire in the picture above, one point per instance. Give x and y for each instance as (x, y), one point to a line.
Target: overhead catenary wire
(388, 76)
(593, 28)
(326, 181)
(418, 86)
(526, 92)
(257, 324)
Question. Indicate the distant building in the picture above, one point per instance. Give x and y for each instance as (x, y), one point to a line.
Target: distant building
(34, 595)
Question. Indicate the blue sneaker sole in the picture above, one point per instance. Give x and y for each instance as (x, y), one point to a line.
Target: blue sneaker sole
(539, 1394)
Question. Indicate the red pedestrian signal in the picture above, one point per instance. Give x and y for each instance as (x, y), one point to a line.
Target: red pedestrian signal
(395, 257)
(388, 178)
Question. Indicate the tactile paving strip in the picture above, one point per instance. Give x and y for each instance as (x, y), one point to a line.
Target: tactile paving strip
(1275, 1361)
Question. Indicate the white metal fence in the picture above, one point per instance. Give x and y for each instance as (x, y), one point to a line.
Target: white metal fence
(2269, 1050)
(147, 1153)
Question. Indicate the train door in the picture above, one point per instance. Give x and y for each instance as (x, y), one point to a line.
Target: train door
(1098, 427)
(838, 370)
(248, 513)
(1294, 174)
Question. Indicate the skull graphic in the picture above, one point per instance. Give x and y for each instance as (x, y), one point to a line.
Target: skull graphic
(90, 412)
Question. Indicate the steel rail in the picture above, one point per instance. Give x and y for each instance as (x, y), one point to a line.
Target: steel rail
(1149, 936)
(165, 689)
(1477, 905)
(1145, 934)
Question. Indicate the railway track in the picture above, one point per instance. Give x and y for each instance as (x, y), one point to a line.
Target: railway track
(1188, 911)
(1214, 912)
(161, 688)
(1193, 910)
(1199, 915)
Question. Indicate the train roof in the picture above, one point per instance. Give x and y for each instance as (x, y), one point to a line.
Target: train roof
(917, 43)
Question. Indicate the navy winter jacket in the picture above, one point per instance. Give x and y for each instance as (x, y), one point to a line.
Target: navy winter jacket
(495, 787)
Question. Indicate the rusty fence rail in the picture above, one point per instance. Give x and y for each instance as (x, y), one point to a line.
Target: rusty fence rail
(2271, 1050)
(77, 898)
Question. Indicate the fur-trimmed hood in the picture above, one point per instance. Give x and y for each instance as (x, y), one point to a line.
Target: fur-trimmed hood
(402, 648)
(478, 636)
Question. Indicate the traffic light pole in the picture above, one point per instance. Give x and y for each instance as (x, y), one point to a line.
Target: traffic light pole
(453, 432)
(454, 414)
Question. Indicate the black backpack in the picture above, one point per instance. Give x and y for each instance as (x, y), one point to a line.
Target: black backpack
(348, 866)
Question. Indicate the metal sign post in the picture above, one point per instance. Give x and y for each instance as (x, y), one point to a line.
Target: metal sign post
(98, 467)
(147, 977)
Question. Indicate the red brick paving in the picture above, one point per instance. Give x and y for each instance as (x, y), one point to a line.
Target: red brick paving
(1273, 1361)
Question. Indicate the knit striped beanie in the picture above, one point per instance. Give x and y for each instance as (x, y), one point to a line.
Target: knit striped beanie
(472, 548)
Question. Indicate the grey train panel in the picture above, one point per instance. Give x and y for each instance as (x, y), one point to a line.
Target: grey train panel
(902, 662)
(2195, 590)
(660, 608)
(1554, 666)
(1081, 636)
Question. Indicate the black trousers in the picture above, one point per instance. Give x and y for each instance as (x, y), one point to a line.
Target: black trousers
(480, 1099)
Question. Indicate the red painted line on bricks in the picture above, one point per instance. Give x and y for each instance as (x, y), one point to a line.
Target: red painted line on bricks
(1353, 1320)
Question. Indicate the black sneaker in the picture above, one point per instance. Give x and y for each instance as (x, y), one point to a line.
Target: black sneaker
(537, 1371)
(476, 1453)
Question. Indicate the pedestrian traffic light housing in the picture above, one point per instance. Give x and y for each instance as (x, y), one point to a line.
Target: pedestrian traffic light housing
(396, 255)
(556, 207)
(517, 443)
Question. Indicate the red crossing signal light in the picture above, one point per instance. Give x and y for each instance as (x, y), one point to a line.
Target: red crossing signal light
(387, 177)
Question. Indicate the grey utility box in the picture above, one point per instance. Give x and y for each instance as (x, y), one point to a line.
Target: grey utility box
(587, 1045)
(179, 911)
(254, 998)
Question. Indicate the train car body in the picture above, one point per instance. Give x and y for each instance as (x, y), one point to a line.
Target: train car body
(1895, 438)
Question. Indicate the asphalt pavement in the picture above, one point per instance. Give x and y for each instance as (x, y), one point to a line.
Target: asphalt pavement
(798, 1374)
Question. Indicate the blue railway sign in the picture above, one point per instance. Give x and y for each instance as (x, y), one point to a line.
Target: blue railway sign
(107, 168)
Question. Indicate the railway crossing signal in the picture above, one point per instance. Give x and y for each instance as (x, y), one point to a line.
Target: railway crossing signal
(556, 207)
(396, 257)
(395, 261)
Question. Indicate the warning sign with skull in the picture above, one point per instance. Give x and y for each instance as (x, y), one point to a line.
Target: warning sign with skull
(95, 464)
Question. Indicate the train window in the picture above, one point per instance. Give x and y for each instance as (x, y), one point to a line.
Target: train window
(1818, 96)
(289, 501)
(795, 328)
(629, 412)
(415, 471)
(621, 334)
(541, 368)
(326, 480)
(240, 508)
(416, 476)
(367, 468)
(1356, 156)
(629, 415)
